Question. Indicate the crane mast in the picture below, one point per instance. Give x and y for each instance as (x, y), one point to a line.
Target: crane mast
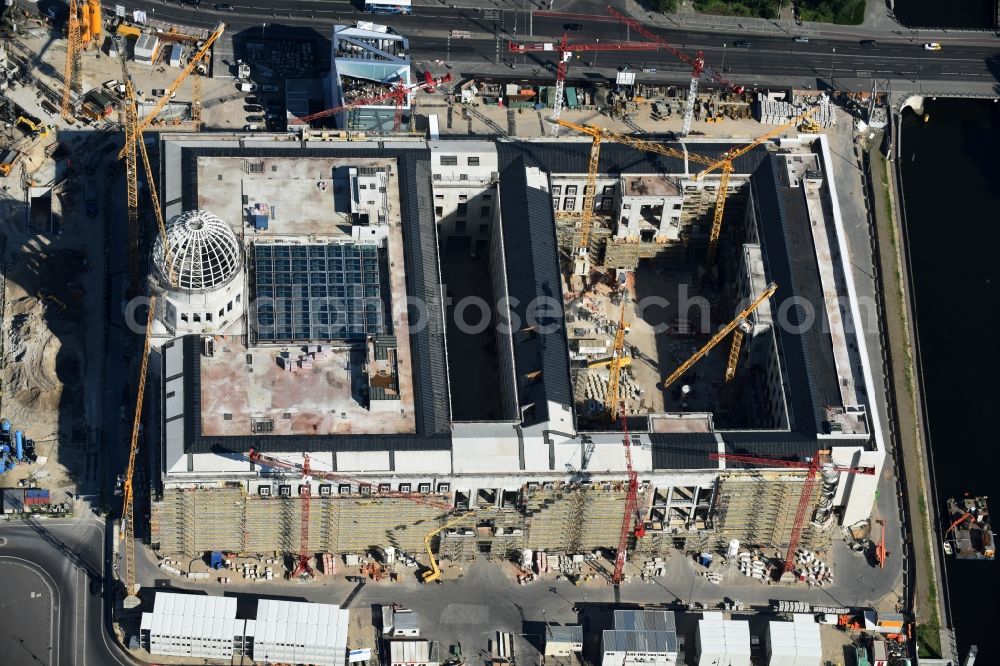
(128, 511)
(812, 468)
(697, 64)
(565, 51)
(71, 72)
(615, 367)
(720, 335)
(631, 506)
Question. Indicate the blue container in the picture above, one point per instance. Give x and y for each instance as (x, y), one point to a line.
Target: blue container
(5, 426)
(19, 445)
(216, 560)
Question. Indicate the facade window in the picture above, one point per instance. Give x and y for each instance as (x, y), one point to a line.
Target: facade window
(571, 189)
(609, 190)
(196, 317)
(208, 316)
(237, 298)
(473, 160)
(437, 176)
(677, 206)
(463, 209)
(439, 210)
(484, 229)
(463, 197)
(222, 313)
(556, 190)
(487, 197)
(627, 206)
(555, 203)
(449, 160)
(569, 203)
(460, 226)
(184, 316)
(484, 211)
(439, 196)
(463, 176)
(229, 306)
(404, 487)
(606, 203)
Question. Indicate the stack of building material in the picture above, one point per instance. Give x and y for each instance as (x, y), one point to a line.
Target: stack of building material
(795, 643)
(811, 569)
(721, 641)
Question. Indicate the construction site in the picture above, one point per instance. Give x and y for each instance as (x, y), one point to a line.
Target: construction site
(669, 361)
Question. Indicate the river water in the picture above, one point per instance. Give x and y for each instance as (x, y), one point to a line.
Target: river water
(949, 169)
(977, 14)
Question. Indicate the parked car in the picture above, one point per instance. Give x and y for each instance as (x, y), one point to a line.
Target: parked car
(801, 39)
(253, 108)
(573, 26)
(742, 44)
(932, 46)
(269, 87)
(251, 128)
(869, 43)
(255, 119)
(225, 7)
(251, 100)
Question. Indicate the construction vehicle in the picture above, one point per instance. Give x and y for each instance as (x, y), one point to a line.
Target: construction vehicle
(33, 125)
(720, 335)
(697, 64)
(398, 93)
(169, 92)
(302, 568)
(812, 467)
(880, 551)
(565, 51)
(434, 573)
(631, 506)
(7, 161)
(46, 296)
(127, 527)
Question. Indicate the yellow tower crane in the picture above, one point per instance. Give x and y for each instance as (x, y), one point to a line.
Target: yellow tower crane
(127, 528)
(71, 72)
(599, 134)
(615, 366)
(720, 335)
(168, 93)
(725, 165)
(135, 144)
(435, 571)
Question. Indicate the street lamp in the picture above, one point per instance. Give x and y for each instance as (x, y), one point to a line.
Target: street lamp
(833, 61)
(596, 41)
(723, 57)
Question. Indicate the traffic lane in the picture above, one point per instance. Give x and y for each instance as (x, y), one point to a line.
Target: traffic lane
(72, 554)
(735, 62)
(30, 607)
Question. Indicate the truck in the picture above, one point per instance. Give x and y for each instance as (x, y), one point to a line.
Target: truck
(91, 197)
(7, 160)
(245, 86)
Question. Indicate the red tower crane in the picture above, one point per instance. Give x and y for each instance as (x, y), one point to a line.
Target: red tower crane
(697, 63)
(398, 93)
(812, 467)
(631, 506)
(302, 568)
(565, 50)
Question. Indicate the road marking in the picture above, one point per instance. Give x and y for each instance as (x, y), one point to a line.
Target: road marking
(56, 620)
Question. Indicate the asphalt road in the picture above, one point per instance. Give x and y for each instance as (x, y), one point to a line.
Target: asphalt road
(773, 59)
(68, 558)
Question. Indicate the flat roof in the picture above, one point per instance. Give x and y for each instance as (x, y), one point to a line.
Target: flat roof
(280, 173)
(250, 391)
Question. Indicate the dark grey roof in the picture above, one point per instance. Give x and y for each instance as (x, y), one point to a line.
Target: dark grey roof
(790, 260)
(531, 257)
(430, 378)
(574, 157)
(683, 450)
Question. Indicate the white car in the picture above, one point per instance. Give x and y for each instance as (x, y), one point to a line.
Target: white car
(932, 46)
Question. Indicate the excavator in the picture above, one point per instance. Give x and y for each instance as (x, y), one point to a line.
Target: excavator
(880, 551)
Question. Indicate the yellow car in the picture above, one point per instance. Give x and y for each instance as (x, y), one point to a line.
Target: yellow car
(932, 46)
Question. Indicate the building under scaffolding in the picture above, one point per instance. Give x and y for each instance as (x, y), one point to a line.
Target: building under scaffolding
(408, 420)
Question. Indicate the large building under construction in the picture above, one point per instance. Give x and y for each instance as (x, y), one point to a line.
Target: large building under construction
(403, 318)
